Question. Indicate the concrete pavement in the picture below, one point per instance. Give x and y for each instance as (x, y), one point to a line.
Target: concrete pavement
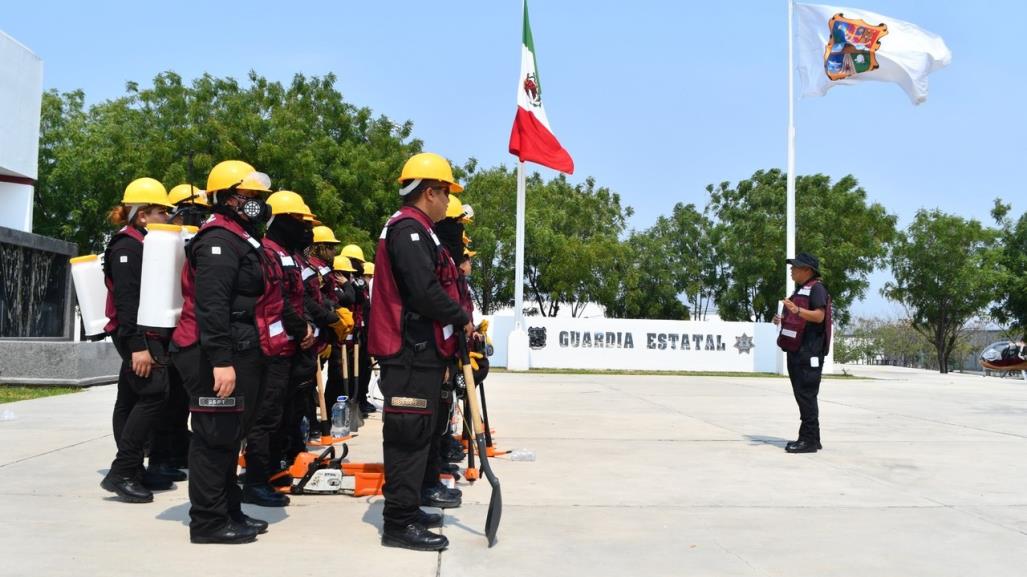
(922, 474)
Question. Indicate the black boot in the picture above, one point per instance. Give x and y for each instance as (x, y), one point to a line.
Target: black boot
(155, 482)
(130, 490)
(165, 469)
(245, 520)
(231, 534)
(415, 537)
(264, 496)
(803, 447)
(428, 520)
(441, 497)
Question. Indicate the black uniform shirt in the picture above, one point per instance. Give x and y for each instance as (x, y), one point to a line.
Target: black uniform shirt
(125, 262)
(414, 256)
(228, 279)
(813, 338)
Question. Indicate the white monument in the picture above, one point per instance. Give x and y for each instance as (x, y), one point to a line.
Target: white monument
(21, 96)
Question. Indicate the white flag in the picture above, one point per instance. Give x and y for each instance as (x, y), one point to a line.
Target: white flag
(848, 46)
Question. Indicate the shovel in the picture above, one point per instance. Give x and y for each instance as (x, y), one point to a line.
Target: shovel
(356, 417)
(476, 431)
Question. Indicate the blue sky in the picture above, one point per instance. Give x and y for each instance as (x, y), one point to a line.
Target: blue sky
(653, 99)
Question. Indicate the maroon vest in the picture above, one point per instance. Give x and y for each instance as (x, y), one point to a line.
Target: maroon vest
(112, 312)
(285, 267)
(267, 312)
(793, 326)
(385, 334)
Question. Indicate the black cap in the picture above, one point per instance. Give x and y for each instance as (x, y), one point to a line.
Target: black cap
(807, 260)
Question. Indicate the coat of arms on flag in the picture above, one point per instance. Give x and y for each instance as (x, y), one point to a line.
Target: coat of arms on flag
(851, 46)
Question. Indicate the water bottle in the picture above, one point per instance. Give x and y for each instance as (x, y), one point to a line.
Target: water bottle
(340, 417)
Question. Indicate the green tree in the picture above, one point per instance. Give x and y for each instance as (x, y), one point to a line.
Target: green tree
(341, 158)
(492, 193)
(1011, 306)
(833, 221)
(946, 270)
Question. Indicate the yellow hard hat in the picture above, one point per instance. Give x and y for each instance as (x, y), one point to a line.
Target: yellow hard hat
(287, 202)
(455, 208)
(352, 251)
(428, 165)
(468, 214)
(467, 239)
(187, 193)
(146, 191)
(237, 174)
(342, 263)
(469, 252)
(368, 269)
(325, 234)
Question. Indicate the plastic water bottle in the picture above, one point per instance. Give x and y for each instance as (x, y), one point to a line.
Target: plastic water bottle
(522, 455)
(340, 417)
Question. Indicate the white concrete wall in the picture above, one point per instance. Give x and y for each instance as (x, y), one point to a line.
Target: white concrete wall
(21, 96)
(16, 206)
(655, 345)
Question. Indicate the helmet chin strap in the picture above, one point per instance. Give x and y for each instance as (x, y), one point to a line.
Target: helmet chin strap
(132, 210)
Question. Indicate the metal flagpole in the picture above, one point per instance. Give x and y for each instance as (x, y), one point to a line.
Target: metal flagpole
(519, 258)
(518, 357)
(790, 212)
(790, 177)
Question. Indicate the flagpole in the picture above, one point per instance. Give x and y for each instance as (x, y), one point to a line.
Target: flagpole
(790, 176)
(790, 211)
(519, 258)
(518, 355)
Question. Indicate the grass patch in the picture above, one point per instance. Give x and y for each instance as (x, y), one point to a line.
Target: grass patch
(665, 373)
(12, 393)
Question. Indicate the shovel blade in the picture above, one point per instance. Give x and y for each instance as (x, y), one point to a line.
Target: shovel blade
(495, 512)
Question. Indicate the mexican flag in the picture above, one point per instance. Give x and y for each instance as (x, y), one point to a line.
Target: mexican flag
(531, 139)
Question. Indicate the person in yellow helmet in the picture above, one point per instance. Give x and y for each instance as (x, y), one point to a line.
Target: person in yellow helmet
(231, 324)
(361, 315)
(286, 236)
(191, 205)
(143, 380)
(333, 321)
(415, 323)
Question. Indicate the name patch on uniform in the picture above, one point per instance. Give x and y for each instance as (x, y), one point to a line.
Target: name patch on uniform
(409, 403)
(307, 271)
(804, 291)
(324, 270)
(253, 242)
(287, 261)
(275, 328)
(215, 250)
(789, 333)
(447, 331)
(814, 362)
(217, 402)
(435, 238)
(415, 237)
(124, 258)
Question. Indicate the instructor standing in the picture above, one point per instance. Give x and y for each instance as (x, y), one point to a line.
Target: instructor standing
(415, 321)
(806, 338)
